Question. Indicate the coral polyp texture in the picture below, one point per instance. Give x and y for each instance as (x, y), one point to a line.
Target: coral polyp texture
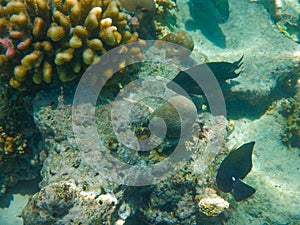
(181, 38)
(43, 38)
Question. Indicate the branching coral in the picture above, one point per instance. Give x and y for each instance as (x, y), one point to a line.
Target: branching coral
(62, 37)
(39, 39)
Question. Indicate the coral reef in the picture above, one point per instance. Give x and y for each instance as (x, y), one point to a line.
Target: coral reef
(180, 199)
(289, 108)
(172, 200)
(41, 39)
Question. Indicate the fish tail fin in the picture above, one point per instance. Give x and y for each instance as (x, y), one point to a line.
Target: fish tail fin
(238, 63)
(241, 190)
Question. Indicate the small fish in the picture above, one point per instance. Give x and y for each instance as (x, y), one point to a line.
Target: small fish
(142, 9)
(233, 169)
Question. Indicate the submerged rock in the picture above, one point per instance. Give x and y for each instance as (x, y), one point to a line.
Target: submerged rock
(211, 204)
(90, 193)
(269, 56)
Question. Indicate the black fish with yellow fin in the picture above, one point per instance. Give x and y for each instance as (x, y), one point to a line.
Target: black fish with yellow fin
(233, 169)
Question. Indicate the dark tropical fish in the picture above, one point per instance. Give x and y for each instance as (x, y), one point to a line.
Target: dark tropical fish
(225, 70)
(233, 169)
(202, 73)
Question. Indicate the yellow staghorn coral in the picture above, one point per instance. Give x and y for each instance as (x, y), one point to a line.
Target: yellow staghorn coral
(59, 37)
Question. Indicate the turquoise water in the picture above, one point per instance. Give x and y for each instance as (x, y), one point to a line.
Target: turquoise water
(150, 112)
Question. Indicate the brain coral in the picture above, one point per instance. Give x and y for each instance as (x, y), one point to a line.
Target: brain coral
(41, 38)
(181, 38)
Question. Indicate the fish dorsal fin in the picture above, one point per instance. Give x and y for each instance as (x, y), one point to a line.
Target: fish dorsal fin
(237, 164)
(241, 160)
(241, 190)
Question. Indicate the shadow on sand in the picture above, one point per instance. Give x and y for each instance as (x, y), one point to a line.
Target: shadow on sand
(206, 20)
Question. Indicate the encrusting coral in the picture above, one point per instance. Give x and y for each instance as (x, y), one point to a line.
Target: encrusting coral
(11, 146)
(291, 111)
(42, 38)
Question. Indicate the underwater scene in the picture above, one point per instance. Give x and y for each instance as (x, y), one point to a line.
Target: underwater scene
(149, 112)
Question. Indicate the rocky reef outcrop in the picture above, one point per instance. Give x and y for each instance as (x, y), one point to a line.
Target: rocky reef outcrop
(68, 169)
